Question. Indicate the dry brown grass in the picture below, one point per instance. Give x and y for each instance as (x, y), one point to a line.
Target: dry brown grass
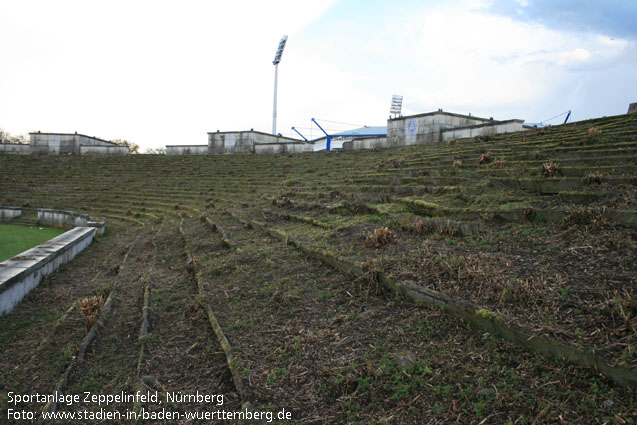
(422, 227)
(398, 163)
(594, 135)
(457, 163)
(551, 169)
(90, 308)
(595, 178)
(585, 216)
(281, 201)
(381, 237)
(485, 158)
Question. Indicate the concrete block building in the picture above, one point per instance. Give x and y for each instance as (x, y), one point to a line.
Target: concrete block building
(65, 143)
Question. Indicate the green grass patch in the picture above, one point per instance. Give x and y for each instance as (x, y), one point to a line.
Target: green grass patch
(16, 239)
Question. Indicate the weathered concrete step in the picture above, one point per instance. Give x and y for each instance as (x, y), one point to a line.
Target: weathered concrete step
(179, 350)
(625, 218)
(556, 185)
(484, 319)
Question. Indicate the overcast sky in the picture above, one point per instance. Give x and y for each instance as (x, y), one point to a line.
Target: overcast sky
(167, 72)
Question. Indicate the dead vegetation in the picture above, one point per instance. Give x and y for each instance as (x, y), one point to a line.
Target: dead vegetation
(422, 227)
(586, 216)
(593, 135)
(398, 163)
(497, 164)
(381, 237)
(281, 201)
(551, 169)
(596, 177)
(485, 158)
(91, 308)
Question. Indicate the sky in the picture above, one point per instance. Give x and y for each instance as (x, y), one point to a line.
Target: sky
(160, 73)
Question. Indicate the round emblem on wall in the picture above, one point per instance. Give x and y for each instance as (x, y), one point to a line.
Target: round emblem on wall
(412, 126)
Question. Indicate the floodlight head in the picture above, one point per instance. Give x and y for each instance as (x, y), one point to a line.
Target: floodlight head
(396, 105)
(279, 50)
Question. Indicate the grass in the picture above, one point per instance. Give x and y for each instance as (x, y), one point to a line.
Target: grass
(16, 239)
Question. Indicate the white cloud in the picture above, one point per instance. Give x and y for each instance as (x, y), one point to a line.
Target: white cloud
(577, 55)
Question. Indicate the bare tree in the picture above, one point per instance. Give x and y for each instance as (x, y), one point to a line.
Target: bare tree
(6, 137)
(133, 148)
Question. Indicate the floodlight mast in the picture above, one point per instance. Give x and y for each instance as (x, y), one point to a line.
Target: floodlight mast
(275, 62)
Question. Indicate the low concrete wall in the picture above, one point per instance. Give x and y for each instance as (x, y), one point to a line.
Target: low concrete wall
(266, 148)
(14, 148)
(366, 143)
(243, 141)
(7, 213)
(498, 127)
(50, 217)
(186, 149)
(103, 150)
(19, 275)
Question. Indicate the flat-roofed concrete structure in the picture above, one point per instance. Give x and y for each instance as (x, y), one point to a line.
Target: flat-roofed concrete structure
(78, 144)
(64, 143)
(429, 127)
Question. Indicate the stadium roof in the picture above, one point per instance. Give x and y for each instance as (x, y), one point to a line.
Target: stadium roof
(363, 132)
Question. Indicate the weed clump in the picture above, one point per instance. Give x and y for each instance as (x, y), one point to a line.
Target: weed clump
(281, 201)
(551, 169)
(381, 237)
(183, 214)
(585, 216)
(423, 227)
(398, 163)
(90, 308)
(485, 158)
(594, 178)
(594, 135)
